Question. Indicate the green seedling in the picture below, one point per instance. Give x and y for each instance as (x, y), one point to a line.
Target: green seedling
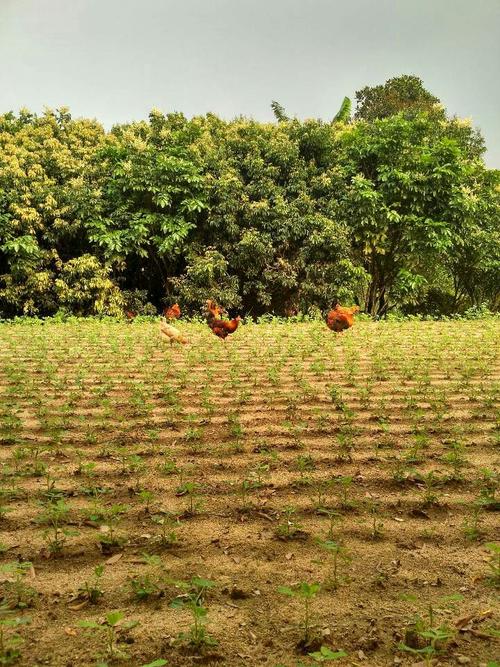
(333, 517)
(306, 593)
(111, 626)
(166, 521)
(423, 639)
(17, 593)
(146, 497)
(149, 584)
(195, 592)
(472, 523)
(290, 528)
(111, 516)
(91, 590)
(345, 484)
(377, 527)
(192, 491)
(338, 553)
(56, 515)
(494, 564)
(327, 655)
(10, 641)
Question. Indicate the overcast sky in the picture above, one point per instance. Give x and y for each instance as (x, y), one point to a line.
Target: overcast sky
(116, 59)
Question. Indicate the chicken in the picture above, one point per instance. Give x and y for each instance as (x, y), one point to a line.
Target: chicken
(214, 311)
(221, 328)
(172, 313)
(341, 318)
(130, 315)
(170, 333)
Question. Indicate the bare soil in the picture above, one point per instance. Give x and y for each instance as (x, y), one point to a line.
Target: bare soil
(272, 419)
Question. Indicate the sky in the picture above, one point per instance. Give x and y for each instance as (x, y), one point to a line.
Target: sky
(115, 60)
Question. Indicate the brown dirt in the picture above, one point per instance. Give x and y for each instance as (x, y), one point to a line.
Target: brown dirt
(257, 407)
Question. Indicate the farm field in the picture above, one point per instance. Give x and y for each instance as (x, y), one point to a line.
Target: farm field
(202, 490)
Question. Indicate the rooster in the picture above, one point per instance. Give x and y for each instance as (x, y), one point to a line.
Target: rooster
(172, 313)
(221, 328)
(170, 333)
(341, 318)
(214, 311)
(130, 315)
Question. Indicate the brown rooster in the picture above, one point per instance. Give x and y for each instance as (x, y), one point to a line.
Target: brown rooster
(214, 311)
(221, 328)
(341, 318)
(172, 313)
(130, 315)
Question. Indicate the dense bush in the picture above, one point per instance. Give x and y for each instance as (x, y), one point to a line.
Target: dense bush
(394, 209)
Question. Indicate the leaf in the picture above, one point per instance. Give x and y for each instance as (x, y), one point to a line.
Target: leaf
(325, 654)
(344, 113)
(114, 617)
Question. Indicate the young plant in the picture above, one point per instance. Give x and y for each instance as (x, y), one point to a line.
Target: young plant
(193, 599)
(494, 564)
(377, 527)
(289, 529)
(111, 626)
(192, 491)
(91, 590)
(10, 640)
(306, 593)
(56, 515)
(17, 594)
(149, 584)
(166, 521)
(338, 553)
(327, 655)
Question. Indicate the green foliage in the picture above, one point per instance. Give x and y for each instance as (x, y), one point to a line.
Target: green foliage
(394, 210)
(404, 93)
(344, 113)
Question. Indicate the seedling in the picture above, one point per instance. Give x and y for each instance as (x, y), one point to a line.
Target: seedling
(197, 635)
(146, 585)
(471, 525)
(166, 521)
(377, 527)
(327, 655)
(333, 517)
(306, 593)
(111, 516)
(422, 638)
(17, 593)
(111, 626)
(345, 484)
(56, 515)
(10, 640)
(494, 564)
(290, 528)
(192, 491)
(338, 553)
(92, 590)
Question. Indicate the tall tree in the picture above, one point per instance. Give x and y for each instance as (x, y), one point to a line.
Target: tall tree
(404, 93)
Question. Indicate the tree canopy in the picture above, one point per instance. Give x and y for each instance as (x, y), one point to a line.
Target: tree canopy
(391, 208)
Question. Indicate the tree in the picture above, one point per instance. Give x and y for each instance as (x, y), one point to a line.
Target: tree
(152, 194)
(404, 94)
(413, 194)
(47, 192)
